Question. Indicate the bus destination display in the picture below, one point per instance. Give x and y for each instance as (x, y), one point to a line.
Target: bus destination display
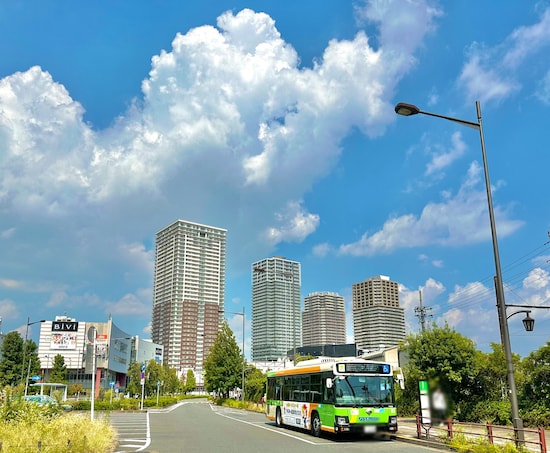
(367, 368)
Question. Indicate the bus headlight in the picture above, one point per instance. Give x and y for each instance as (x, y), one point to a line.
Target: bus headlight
(342, 420)
(393, 420)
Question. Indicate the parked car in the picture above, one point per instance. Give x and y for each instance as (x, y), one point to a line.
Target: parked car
(41, 400)
(46, 400)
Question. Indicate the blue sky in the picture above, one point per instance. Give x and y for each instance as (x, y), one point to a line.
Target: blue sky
(274, 120)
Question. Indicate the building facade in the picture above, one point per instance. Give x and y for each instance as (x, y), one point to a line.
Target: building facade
(276, 308)
(378, 320)
(188, 293)
(75, 340)
(323, 319)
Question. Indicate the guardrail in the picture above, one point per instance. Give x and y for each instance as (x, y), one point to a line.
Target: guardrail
(494, 434)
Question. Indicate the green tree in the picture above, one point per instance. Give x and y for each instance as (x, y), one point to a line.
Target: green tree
(536, 388)
(133, 386)
(301, 358)
(11, 365)
(495, 376)
(190, 382)
(223, 366)
(76, 390)
(255, 382)
(32, 361)
(59, 370)
(446, 359)
(153, 376)
(171, 383)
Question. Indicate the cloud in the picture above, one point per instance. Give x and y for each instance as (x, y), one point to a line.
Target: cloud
(7, 234)
(228, 102)
(413, 19)
(130, 305)
(442, 160)
(8, 310)
(537, 279)
(455, 221)
(10, 283)
(228, 130)
(322, 250)
(543, 89)
(492, 73)
(57, 298)
(294, 225)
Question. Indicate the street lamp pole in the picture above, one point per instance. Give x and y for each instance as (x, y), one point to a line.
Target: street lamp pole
(29, 323)
(408, 110)
(92, 336)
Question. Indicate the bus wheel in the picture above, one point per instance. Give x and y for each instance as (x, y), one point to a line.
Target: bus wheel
(315, 424)
(278, 418)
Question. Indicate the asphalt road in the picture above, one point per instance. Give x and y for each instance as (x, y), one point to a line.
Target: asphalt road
(198, 427)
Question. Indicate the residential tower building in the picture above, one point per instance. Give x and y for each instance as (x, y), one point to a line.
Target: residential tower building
(188, 293)
(276, 308)
(324, 319)
(378, 320)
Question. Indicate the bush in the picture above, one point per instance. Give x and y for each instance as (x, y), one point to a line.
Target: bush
(497, 412)
(537, 416)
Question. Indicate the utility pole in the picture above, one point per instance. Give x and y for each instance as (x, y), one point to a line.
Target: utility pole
(421, 312)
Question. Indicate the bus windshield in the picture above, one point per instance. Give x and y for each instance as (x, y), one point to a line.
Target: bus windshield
(364, 390)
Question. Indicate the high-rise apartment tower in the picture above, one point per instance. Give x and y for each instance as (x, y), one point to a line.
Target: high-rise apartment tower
(324, 319)
(188, 293)
(276, 308)
(378, 320)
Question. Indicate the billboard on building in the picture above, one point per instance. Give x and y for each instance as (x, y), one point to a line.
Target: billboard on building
(63, 335)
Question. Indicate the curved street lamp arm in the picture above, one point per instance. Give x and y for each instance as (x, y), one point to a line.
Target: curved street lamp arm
(405, 109)
(517, 312)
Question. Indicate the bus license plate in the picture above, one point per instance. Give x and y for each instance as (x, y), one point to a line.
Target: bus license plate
(369, 429)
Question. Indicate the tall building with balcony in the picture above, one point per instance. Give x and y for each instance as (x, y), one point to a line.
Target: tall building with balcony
(323, 319)
(188, 293)
(276, 308)
(378, 320)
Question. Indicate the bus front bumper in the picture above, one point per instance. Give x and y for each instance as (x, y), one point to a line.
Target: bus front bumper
(342, 425)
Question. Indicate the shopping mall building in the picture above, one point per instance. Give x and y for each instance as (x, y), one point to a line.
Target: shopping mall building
(74, 340)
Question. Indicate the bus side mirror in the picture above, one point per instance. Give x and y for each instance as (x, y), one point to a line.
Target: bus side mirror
(401, 380)
(329, 383)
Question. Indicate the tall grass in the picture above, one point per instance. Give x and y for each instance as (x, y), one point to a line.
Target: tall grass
(26, 427)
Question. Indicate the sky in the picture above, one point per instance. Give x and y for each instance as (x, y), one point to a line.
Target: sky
(275, 120)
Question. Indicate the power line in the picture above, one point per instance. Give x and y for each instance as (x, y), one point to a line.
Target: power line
(421, 312)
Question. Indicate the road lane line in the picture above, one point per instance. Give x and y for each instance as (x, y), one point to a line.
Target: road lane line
(148, 438)
(268, 429)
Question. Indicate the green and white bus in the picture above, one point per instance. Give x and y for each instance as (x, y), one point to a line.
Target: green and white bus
(336, 395)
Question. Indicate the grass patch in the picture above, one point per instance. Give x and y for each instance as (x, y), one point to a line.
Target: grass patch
(462, 444)
(247, 405)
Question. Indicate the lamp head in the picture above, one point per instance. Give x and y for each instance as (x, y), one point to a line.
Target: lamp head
(528, 323)
(406, 109)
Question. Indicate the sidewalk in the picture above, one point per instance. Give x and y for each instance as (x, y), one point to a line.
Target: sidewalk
(407, 433)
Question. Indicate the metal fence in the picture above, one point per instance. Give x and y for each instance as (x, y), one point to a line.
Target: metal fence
(494, 434)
